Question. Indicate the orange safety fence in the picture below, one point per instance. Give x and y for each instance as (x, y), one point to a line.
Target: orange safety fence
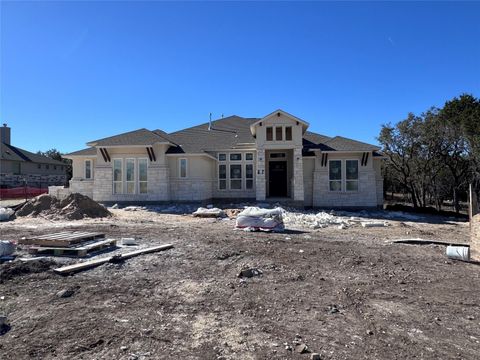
(21, 192)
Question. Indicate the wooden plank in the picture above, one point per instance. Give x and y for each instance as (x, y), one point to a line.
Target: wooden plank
(92, 263)
(49, 236)
(426, 242)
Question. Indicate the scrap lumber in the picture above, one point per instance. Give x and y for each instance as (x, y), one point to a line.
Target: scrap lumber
(61, 239)
(426, 242)
(96, 262)
(80, 251)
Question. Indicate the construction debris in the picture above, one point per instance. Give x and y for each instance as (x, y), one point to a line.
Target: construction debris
(209, 212)
(5, 213)
(249, 272)
(93, 263)
(254, 218)
(6, 248)
(129, 241)
(458, 252)
(322, 219)
(79, 244)
(374, 224)
(74, 207)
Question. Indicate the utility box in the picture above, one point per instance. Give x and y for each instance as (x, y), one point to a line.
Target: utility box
(474, 216)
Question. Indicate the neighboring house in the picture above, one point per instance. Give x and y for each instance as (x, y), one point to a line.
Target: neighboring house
(270, 158)
(18, 165)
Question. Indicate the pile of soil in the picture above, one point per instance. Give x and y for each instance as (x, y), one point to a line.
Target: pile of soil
(74, 207)
(18, 268)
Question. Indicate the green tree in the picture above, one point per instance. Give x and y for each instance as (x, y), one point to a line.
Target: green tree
(57, 155)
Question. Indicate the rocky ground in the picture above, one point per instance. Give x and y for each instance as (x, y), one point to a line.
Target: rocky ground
(343, 291)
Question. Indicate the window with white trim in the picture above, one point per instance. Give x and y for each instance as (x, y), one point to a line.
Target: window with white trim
(222, 157)
(222, 177)
(130, 175)
(88, 169)
(351, 175)
(143, 176)
(249, 156)
(235, 176)
(335, 175)
(235, 157)
(117, 176)
(183, 167)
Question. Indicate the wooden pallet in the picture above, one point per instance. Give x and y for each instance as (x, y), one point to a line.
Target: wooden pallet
(79, 251)
(62, 239)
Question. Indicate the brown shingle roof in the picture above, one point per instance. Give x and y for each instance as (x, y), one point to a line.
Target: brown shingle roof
(227, 133)
(136, 137)
(91, 151)
(10, 152)
(340, 143)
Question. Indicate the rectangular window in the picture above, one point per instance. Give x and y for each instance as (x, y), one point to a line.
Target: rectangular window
(88, 169)
(335, 175)
(236, 157)
(288, 133)
(269, 133)
(117, 176)
(351, 173)
(183, 168)
(39, 166)
(235, 177)
(47, 166)
(222, 157)
(249, 156)
(249, 176)
(222, 177)
(277, 155)
(142, 176)
(278, 133)
(54, 167)
(130, 178)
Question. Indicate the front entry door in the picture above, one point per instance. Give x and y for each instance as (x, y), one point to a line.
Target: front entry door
(277, 178)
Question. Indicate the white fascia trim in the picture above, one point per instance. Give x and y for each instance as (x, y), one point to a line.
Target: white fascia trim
(186, 155)
(71, 157)
(126, 145)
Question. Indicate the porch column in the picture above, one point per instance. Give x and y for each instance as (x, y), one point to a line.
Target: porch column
(260, 184)
(298, 192)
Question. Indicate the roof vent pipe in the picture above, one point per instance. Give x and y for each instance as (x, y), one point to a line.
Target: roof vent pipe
(210, 123)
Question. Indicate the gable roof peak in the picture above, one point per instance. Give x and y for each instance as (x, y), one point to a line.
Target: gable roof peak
(279, 112)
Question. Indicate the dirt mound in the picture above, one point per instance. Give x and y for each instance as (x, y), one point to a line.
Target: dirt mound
(19, 268)
(74, 207)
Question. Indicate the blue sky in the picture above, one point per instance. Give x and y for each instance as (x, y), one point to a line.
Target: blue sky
(72, 72)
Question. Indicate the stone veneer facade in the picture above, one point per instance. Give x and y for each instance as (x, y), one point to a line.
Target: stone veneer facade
(307, 177)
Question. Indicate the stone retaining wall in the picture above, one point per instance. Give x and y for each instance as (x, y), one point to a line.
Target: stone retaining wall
(32, 180)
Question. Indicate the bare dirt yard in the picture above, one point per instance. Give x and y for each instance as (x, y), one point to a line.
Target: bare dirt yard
(345, 293)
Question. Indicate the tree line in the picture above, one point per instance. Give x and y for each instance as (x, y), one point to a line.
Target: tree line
(434, 156)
